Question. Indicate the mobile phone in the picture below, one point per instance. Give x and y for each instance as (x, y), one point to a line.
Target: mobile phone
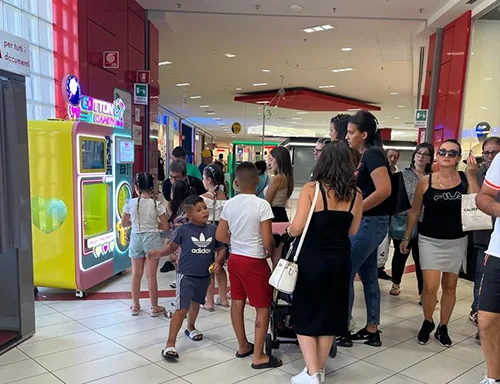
(479, 160)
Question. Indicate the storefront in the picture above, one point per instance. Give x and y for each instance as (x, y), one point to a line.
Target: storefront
(481, 115)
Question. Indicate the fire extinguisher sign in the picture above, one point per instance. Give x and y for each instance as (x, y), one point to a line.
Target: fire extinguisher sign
(111, 59)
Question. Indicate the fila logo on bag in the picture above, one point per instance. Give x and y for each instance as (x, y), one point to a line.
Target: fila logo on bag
(202, 244)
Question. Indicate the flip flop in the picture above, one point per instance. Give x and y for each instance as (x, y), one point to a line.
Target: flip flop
(273, 362)
(219, 303)
(158, 311)
(194, 335)
(249, 353)
(170, 354)
(208, 309)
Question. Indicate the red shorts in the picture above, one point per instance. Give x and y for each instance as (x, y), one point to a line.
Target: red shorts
(249, 277)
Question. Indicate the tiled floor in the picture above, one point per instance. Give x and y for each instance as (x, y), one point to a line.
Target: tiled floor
(98, 341)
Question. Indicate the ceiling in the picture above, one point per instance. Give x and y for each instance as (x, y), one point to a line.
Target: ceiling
(196, 35)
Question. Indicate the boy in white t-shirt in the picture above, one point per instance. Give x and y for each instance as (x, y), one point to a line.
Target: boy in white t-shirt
(245, 223)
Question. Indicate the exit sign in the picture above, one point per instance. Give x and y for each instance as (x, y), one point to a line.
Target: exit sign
(421, 118)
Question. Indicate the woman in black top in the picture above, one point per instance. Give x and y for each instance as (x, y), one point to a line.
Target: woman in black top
(375, 184)
(325, 260)
(441, 241)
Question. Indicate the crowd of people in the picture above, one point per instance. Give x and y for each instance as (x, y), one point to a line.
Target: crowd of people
(209, 236)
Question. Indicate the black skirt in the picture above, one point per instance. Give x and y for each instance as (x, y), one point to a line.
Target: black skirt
(280, 216)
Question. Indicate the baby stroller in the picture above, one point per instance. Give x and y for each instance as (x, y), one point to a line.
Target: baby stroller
(281, 321)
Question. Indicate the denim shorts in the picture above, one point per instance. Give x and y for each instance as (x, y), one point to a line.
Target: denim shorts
(142, 243)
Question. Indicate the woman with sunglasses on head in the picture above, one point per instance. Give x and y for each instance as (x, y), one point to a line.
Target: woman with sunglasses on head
(215, 198)
(338, 131)
(441, 240)
(372, 178)
(421, 165)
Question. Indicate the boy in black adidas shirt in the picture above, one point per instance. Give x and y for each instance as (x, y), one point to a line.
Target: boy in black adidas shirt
(196, 262)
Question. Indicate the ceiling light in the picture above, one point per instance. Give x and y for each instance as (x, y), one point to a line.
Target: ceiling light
(397, 117)
(302, 113)
(182, 84)
(296, 118)
(211, 113)
(382, 121)
(488, 78)
(326, 86)
(485, 108)
(217, 118)
(266, 70)
(295, 8)
(164, 63)
(292, 122)
(263, 102)
(401, 106)
(230, 55)
(195, 97)
(204, 106)
(239, 89)
(318, 28)
(346, 49)
(354, 109)
(348, 69)
(259, 84)
(394, 93)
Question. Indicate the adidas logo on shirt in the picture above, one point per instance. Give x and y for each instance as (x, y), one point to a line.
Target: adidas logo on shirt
(202, 244)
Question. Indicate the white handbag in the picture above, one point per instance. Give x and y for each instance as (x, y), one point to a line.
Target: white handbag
(473, 219)
(284, 276)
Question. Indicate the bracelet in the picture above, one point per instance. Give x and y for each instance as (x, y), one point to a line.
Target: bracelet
(406, 239)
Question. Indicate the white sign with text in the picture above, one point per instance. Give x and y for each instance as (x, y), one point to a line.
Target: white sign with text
(14, 54)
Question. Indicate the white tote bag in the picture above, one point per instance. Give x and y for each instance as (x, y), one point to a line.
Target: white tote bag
(284, 276)
(473, 219)
(383, 252)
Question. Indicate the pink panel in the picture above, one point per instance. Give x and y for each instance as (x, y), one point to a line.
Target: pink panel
(136, 8)
(108, 14)
(446, 53)
(444, 78)
(135, 31)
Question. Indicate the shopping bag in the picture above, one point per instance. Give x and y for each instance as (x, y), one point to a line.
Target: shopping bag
(473, 219)
(383, 252)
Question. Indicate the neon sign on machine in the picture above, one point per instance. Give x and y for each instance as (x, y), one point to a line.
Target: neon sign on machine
(92, 110)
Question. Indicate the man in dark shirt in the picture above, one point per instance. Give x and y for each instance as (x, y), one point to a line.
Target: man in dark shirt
(178, 172)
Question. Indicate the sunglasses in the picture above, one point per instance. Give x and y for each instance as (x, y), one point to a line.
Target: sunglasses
(451, 153)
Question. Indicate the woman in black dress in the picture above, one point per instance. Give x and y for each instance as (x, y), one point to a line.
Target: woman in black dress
(321, 297)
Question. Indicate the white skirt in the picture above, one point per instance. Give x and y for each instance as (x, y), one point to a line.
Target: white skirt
(442, 255)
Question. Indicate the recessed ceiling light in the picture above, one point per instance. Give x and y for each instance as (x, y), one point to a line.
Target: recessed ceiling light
(259, 84)
(239, 89)
(182, 84)
(195, 97)
(211, 113)
(354, 109)
(348, 69)
(295, 8)
(347, 49)
(397, 117)
(164, 63)
(326, 86)
(293, 122)
(485, 108)
(394, 93)
(319, 28)
(220, 123)
(488, 78)
(401, 106)
(302, 113)
(296, 118)
(204, 106)
(263, 102)
(217, 118)
(230, 55)
(266, 70)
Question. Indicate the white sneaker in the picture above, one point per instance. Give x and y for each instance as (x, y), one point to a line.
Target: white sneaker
(488, 381)
(304, 378)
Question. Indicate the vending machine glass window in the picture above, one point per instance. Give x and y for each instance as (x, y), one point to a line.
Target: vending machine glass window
(96, 209)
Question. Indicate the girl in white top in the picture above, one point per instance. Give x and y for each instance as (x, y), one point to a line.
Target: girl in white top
(147, 217)
(215, 198)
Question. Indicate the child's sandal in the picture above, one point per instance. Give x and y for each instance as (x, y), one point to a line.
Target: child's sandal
(170, 354)
(158, 311)
(135, 309)
(395, 290)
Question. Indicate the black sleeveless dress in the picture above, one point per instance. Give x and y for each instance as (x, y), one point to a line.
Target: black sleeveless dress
(321, 297)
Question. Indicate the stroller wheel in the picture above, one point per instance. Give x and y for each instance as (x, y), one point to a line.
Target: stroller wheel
(333, 351)
(269, 344)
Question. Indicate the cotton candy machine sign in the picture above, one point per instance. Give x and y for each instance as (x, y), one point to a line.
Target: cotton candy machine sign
(14, 54)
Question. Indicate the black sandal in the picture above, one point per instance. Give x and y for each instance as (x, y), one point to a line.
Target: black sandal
(273, 362)
(246, 354)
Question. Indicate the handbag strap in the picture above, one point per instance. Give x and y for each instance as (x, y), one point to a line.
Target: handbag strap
(311, 211)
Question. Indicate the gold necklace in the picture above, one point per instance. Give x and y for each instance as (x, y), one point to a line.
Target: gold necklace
(452, 179)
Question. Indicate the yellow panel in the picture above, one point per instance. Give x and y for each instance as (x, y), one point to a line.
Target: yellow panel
(52, 203)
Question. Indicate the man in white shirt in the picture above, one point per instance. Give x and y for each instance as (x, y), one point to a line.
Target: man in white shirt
(489, 299)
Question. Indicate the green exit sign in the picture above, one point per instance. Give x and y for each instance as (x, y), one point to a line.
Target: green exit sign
(421, 118)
